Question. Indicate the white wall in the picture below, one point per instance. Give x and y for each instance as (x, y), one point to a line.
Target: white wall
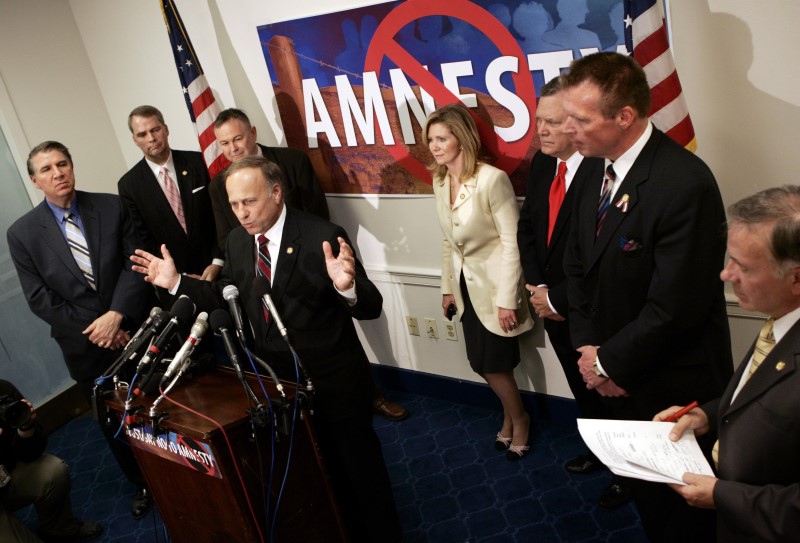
(73, 70)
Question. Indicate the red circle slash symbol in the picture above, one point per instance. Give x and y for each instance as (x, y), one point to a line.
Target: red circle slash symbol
(383, 44)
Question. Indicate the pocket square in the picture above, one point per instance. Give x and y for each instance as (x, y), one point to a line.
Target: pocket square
(198, 189)
(629, 244)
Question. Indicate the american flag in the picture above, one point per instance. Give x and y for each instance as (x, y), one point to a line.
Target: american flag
(200, 101)
(646, 36)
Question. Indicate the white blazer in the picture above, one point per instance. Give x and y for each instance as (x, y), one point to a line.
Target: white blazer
(480, 241)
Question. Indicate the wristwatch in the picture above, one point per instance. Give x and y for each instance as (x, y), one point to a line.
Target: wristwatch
(596, 368)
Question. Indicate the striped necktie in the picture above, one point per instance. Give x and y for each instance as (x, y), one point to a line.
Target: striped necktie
(173, 196)
(605, 198)
(264, 266)
(764, 344)
(79, 248)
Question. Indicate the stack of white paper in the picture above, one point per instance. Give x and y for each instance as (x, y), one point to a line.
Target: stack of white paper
(643, 450)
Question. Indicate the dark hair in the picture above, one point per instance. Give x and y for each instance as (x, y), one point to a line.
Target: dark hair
(272, 172)
(46, 147)
(459, 121)
(230, 114)
(621, 80)
(552, 87)
(145, 111)
(781, 207)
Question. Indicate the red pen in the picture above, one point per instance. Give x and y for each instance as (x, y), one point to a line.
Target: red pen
(681, 412)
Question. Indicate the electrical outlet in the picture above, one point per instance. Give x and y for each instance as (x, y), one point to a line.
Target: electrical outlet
(450, 331)
(431, 328)
(413, 326)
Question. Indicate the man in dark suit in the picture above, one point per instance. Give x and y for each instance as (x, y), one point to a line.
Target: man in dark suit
(71, 252)
(757, 419)
(188, 230)
(647, 308)
(558, 172)
(237, 139)
(318, 287)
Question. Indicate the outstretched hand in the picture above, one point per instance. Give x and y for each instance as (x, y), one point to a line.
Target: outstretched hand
(159, 271)
(342, 268)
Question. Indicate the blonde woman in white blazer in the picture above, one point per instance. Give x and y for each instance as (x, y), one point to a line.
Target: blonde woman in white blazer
(481, 271)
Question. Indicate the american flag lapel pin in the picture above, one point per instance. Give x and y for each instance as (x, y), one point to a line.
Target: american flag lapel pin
(622, 203)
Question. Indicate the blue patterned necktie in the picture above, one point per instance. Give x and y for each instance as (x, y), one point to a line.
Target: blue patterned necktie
(605, 198)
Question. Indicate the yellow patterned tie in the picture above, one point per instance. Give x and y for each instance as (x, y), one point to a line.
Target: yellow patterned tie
(764, 344)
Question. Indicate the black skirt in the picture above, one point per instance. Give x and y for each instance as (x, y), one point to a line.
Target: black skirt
(487, 352)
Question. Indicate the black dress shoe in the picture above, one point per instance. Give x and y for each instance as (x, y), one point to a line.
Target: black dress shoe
(141, 504)
(615, 495)
(583, 464)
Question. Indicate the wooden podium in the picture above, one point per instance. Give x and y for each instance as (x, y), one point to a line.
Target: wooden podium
(190, 466)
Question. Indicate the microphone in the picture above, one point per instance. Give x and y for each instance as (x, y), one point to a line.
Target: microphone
(159, 319)
(181, 311)
(198, 329)
(231, 295)
(262, 288)
(220, 322)
(145, 325)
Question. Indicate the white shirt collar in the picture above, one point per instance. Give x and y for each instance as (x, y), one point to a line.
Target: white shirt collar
(625, 161)
(156, 168)
(573, 163)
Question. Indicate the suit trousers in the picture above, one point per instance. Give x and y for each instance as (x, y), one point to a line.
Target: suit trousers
(119, 447)
(589, 404)
(354, 459)
(45, 483)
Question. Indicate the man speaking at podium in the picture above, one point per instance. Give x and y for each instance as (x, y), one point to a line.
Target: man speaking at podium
(318, 287)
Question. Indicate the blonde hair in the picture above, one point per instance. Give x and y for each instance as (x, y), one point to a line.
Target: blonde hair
(461, 124)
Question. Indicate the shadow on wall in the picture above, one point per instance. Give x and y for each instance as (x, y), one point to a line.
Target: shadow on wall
(750, 136)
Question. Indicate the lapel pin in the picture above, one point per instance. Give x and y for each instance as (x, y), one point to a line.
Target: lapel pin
(462, 196)
(184, 172)
(622, 203)
(289, 250)
(780, 365)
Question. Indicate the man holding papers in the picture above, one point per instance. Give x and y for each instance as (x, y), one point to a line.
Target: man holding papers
(757, 419)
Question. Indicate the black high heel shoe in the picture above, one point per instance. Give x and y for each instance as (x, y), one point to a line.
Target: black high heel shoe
(501, 443)
(516, 452)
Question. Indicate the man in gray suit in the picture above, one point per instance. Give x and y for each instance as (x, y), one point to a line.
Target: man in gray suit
(71, 253)
(757, 419)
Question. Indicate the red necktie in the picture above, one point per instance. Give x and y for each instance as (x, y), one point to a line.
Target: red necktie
(558, 189)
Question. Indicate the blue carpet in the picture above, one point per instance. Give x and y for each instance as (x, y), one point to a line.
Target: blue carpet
(450, 485)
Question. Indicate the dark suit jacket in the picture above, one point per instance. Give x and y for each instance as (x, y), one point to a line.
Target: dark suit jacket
(319, 321)
(758, 494)
(57, 291)
(648, 291)
(544, 264)
(301, 189)
(156, 223)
